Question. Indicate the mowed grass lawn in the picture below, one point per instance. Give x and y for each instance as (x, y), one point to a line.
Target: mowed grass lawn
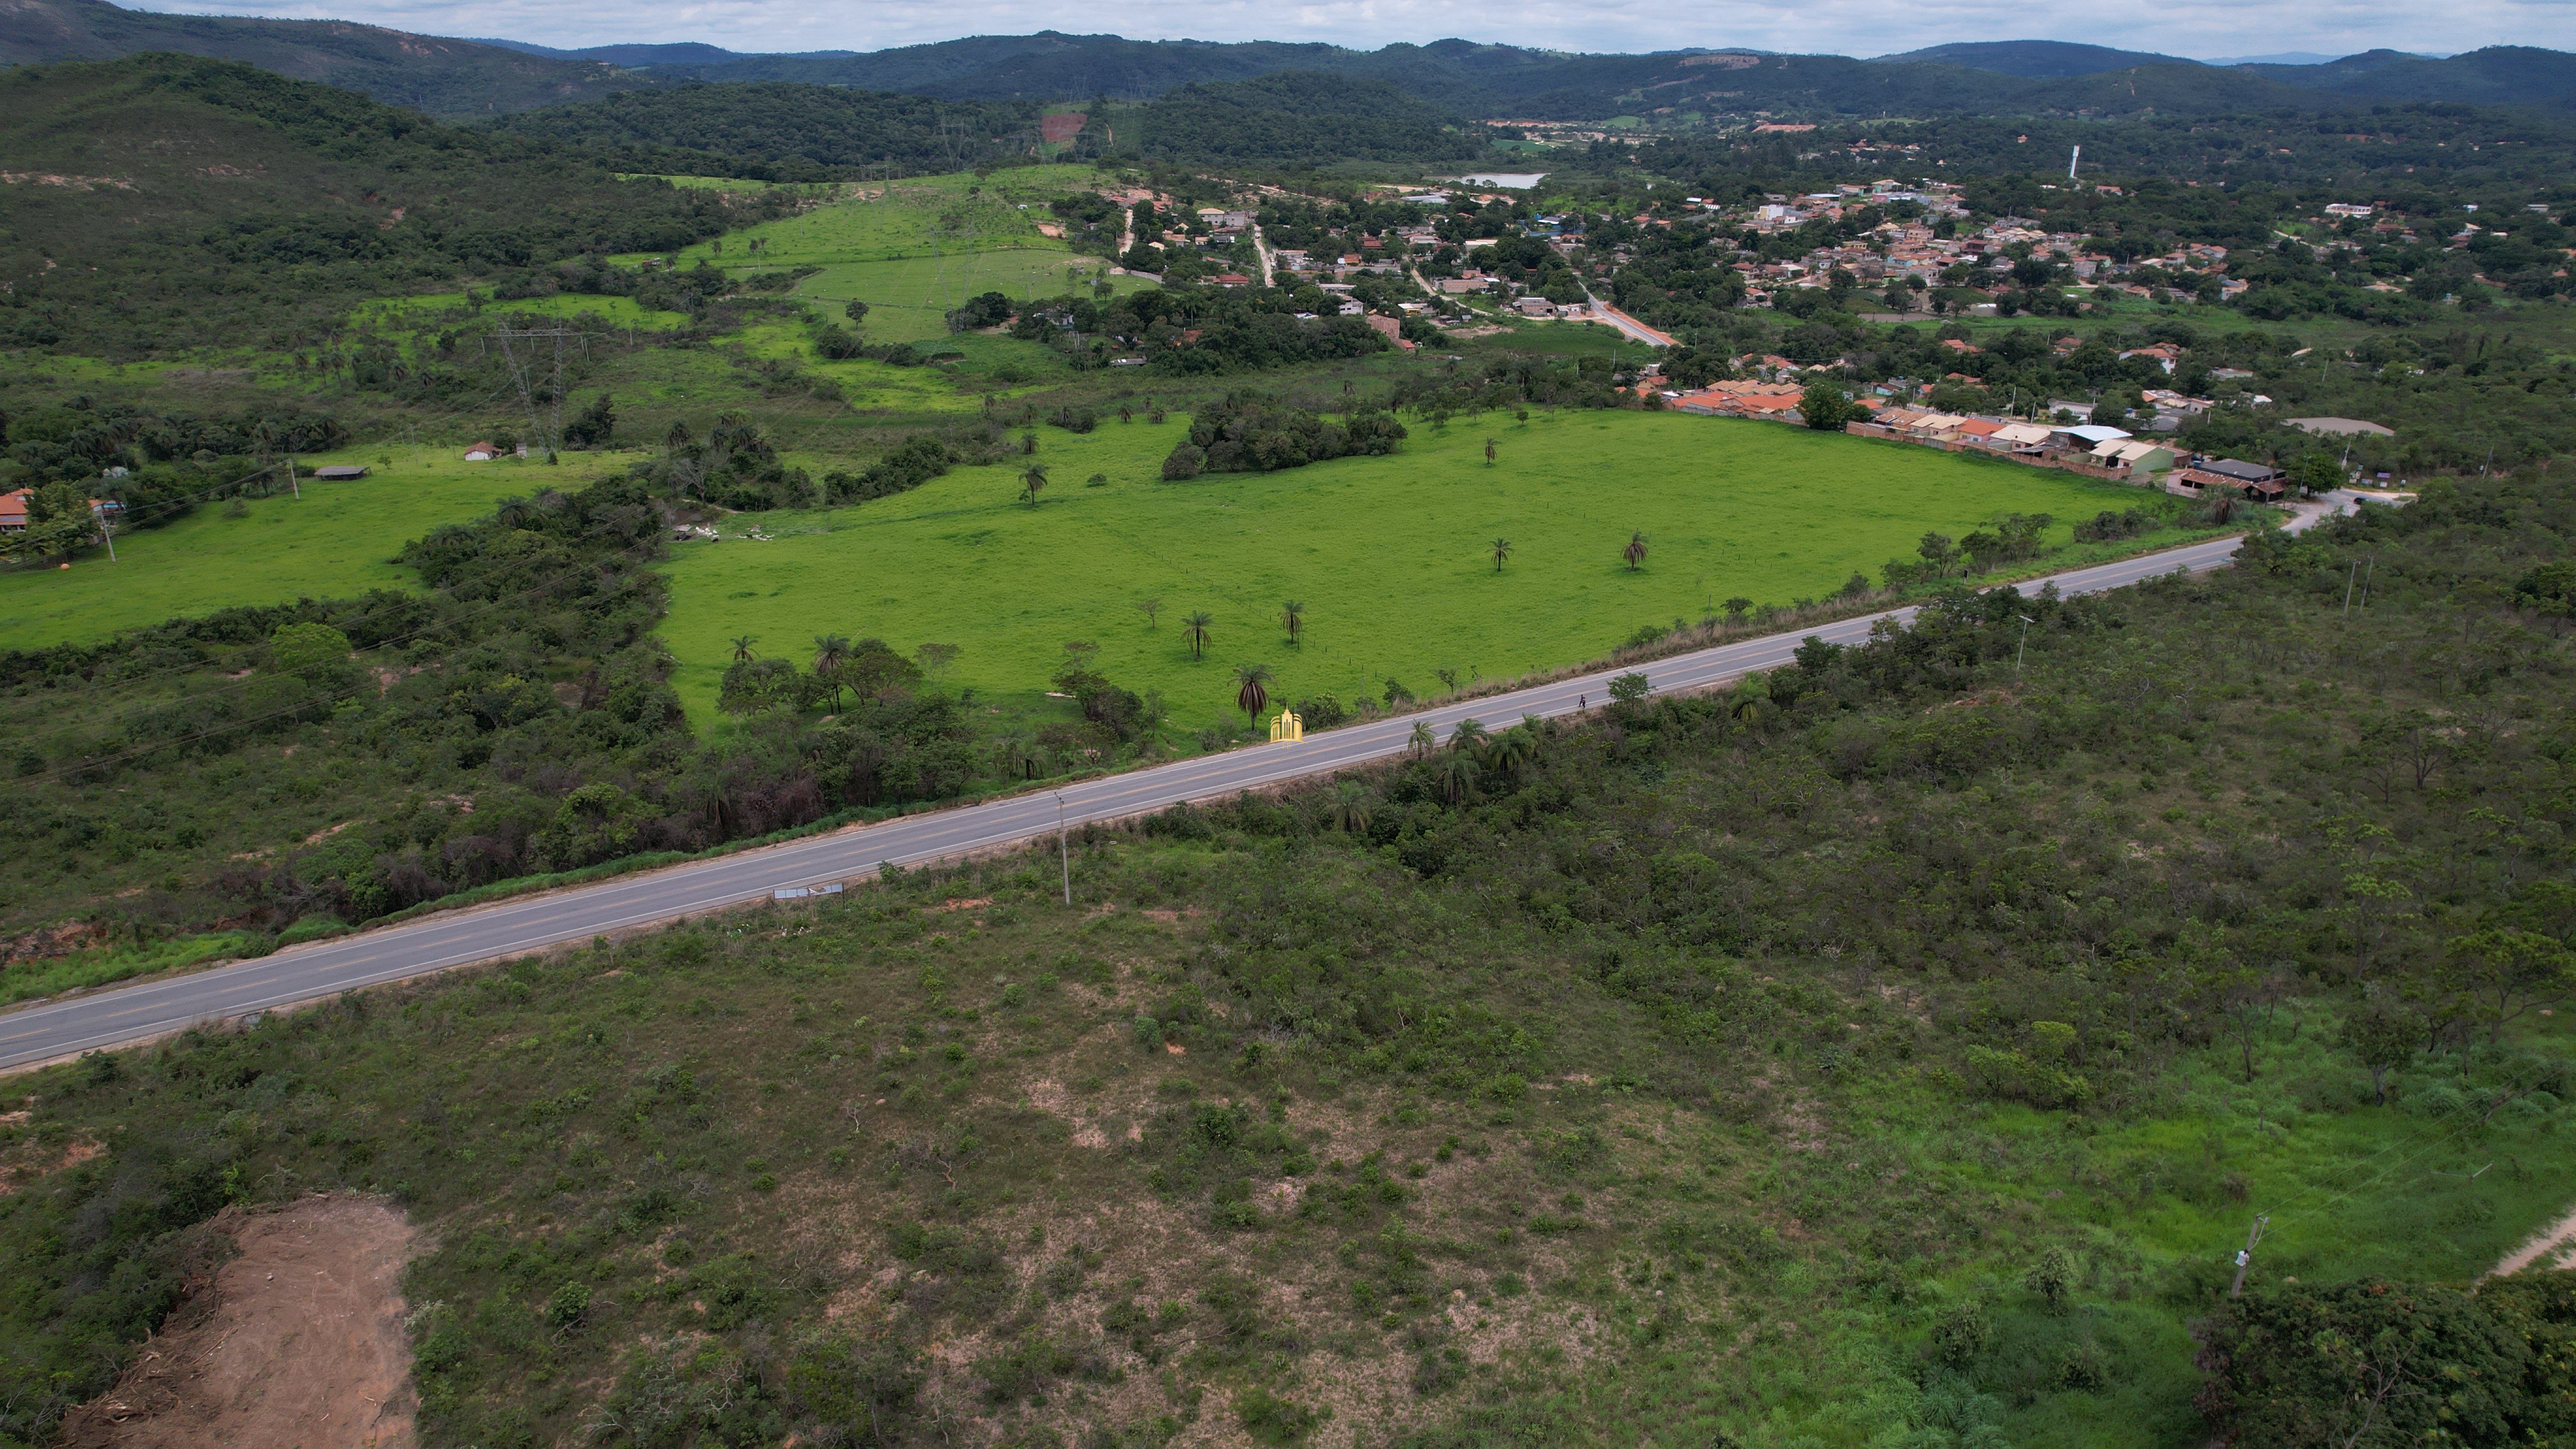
(338, 540)
(1390, 556)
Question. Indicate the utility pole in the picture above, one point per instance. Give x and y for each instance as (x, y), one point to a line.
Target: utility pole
(2026, 622)
(107, 533)
(2245, 1259)
(1063, 851)
(292, 486)
(2351, 577)
(2368, 568)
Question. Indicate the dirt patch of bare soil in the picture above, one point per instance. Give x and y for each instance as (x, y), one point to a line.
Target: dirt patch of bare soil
(298, 1343)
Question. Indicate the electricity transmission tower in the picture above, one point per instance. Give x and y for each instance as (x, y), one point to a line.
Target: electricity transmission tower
(522, 367)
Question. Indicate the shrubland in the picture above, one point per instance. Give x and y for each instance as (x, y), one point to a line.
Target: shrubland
(1895, 1046)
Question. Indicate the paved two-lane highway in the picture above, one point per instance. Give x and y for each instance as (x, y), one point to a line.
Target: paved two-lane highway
(54, 1030)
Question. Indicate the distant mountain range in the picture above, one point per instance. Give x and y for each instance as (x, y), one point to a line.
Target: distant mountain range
(449, 78)
(458, 78)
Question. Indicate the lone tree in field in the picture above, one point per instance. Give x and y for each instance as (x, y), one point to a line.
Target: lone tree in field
(1149, 608)
(1252, 689)
(1292, 617)
(1502, 551)
(829, 652)
(1635, 552)
(1195, 629)
(1033, 478)
(1489, 452)
(1737, 608)
(856, 311)
(742, 648)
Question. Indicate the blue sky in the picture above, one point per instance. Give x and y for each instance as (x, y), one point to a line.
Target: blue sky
(2199, 28)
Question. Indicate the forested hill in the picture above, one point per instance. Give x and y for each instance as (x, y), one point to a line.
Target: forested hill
(209, 200)
(785, 131)
(459, 78)
(1304, 116)
(440, 76)
(2035, 58)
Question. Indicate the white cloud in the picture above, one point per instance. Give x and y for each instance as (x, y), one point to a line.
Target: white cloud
(1863, 27)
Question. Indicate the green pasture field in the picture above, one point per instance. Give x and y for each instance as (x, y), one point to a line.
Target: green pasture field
(909, 300)
(1390, 556)
(918, 248)
(702, 183)
(433, 309)
(958, 212)
(338, 540)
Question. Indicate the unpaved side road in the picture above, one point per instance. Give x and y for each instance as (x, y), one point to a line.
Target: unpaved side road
(299, 1344)
(2549, 1249)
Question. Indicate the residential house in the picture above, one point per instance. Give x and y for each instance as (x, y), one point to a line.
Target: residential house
(1393, 331)
(2083, 437)
(481, 453)
(2163, 354)
(2258, 481)
(2132, 457)
(13, 509)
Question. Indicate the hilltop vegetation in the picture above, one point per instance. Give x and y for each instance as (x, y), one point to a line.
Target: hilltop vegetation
(1303, 117)
(800, 132)
(1895, 1046)
(436, 74)
(254, 207)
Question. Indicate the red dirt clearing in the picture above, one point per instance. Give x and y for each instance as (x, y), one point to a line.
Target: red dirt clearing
(298, 1345)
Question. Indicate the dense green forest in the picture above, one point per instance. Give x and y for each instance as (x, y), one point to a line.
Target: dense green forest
(788, 132)
(252, 207)
(445, 77)
(1303, 116)
(1892, 1047)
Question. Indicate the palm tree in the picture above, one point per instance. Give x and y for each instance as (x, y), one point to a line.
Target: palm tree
(1033, 478)
(679, 437)
(1252, 692)
(829, 651)
(1635, 552)
(1509, 753)
(1195, 629)
(1292, 615)
(1456, 773)
(1422, 741)
(1467, 737)
(1502, 551)
(1352, 807)
(742, 648)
